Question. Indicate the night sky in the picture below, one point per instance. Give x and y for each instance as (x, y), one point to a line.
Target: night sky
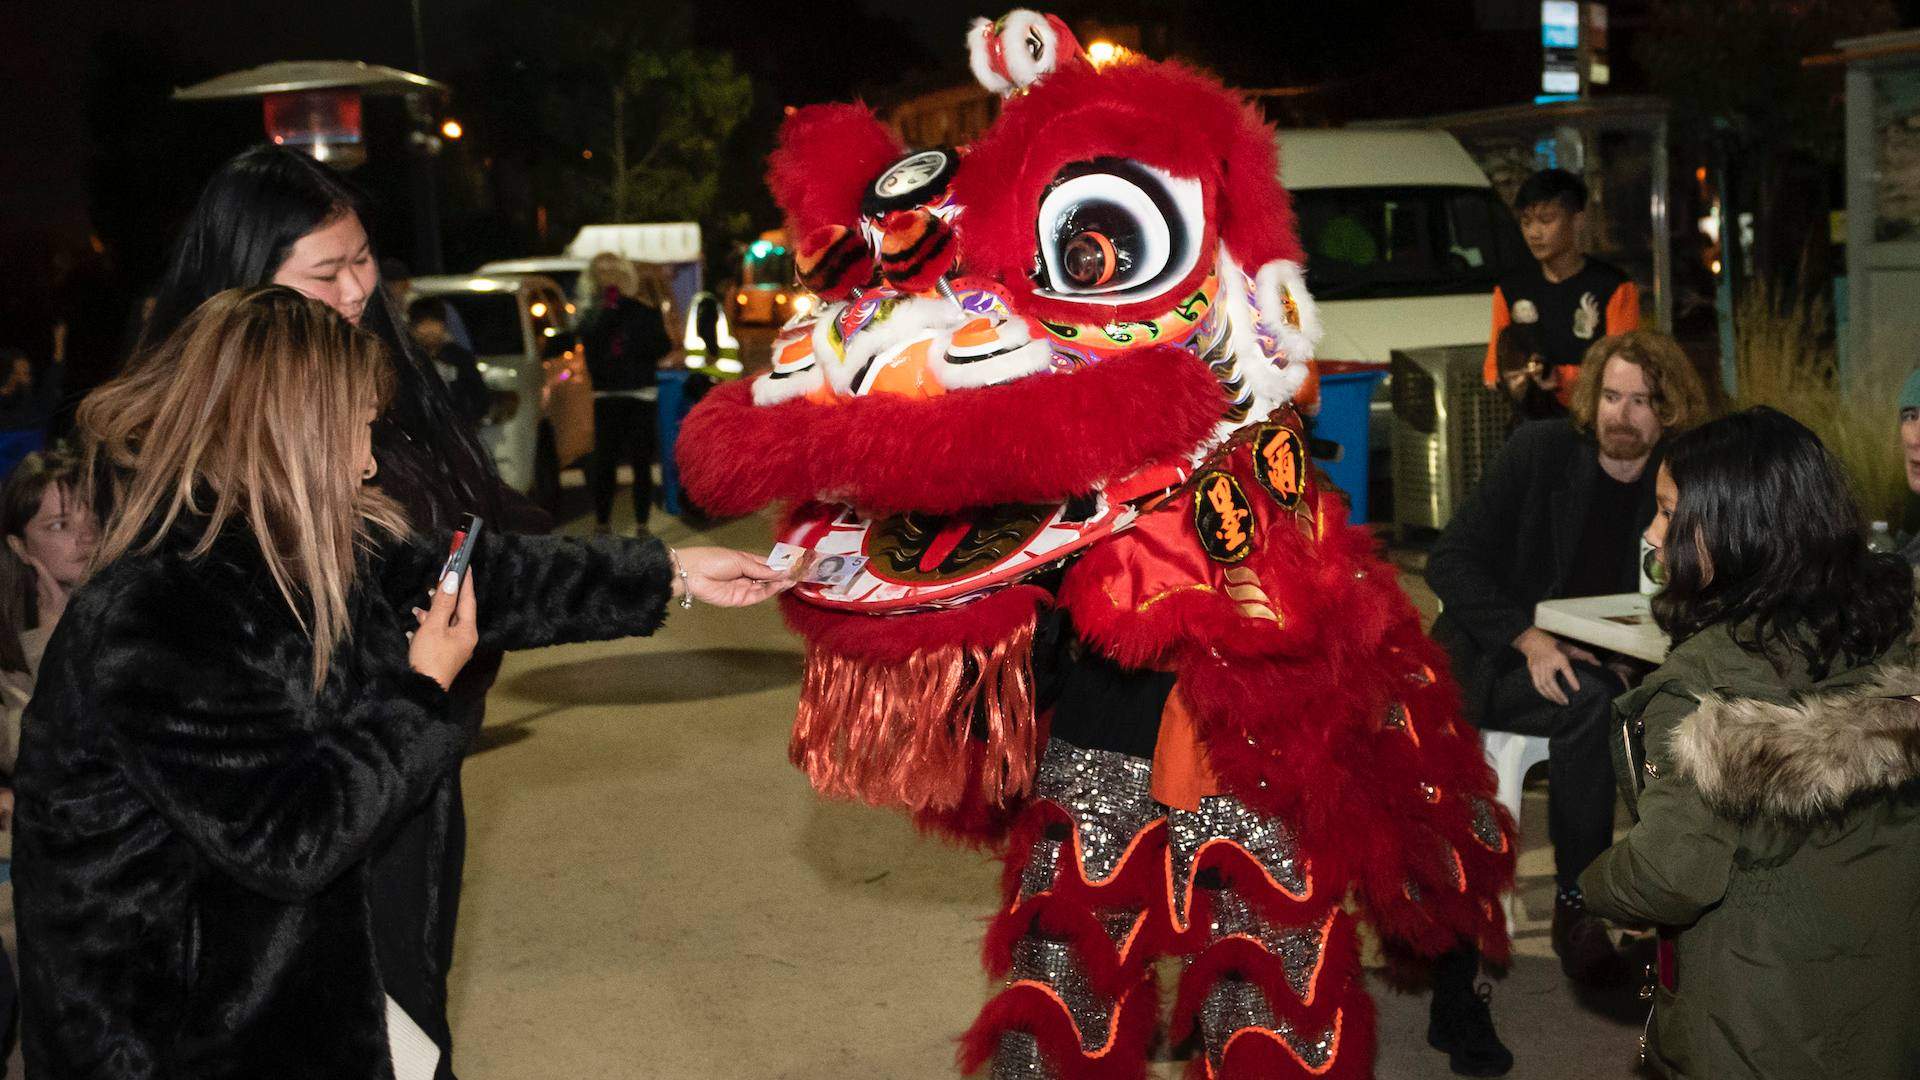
(1412, 56)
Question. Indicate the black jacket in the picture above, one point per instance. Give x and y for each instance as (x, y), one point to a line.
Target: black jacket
(1512, 546)
(624, 340)
(196, 828)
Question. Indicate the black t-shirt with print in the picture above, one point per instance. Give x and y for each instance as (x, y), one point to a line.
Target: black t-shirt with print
(1567, 316)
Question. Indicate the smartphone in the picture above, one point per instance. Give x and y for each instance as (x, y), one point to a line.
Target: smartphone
(460, 553)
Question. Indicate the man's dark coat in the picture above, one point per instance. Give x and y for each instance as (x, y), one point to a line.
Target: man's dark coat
(1512, 546)
(193, 855)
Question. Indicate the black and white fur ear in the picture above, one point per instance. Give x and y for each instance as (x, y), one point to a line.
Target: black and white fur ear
(1018, 49)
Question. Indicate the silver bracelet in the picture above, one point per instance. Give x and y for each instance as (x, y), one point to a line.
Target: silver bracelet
(686, 587)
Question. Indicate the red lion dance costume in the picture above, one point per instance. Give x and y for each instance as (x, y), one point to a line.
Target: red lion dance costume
(1108, 616)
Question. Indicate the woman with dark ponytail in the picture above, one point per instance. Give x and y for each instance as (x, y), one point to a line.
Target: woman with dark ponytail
(1772, 766)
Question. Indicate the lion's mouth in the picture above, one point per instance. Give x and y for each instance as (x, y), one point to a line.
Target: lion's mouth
(914, 560)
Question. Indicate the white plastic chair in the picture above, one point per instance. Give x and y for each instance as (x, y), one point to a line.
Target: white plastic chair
(1511, 755)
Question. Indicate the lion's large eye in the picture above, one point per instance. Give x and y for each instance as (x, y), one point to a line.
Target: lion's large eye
(1116, 231)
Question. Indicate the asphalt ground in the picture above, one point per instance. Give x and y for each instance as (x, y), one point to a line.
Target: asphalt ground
(652, 891)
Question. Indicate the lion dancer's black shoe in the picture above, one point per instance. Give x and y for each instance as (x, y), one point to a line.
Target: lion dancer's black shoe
(1074, 941)
(1460, 1019)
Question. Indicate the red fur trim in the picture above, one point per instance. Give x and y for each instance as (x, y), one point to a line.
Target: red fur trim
(1244, 958)
(1060, 918)
(1340, 998)
(900, 730)
(1161, 114)
(1258, 1056)
(1137, 882)
(1042, 439)
(1294, 712)
(1351, 787)
(1191, 907)
(898, 638)
(978, 822)
(1026, 1007)
(736, 457)
(826, 157)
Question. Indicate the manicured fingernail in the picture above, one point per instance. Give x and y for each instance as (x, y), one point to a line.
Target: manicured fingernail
(450, 584)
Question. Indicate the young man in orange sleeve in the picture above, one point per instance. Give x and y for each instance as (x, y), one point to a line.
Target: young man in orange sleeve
(1571, 300)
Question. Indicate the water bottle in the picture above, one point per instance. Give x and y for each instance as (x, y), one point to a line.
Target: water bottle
(1881, 540)
(1653, 576)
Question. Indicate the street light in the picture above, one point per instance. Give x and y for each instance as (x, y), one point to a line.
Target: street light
(1103, 52)
(452, 129)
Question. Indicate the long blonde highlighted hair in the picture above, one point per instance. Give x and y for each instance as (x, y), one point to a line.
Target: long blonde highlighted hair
(252, 409)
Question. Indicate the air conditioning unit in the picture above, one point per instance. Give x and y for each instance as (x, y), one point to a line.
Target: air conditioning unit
(1447, 427)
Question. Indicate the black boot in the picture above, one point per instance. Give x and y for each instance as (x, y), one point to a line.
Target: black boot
(1460, 1019)
(1580, 940)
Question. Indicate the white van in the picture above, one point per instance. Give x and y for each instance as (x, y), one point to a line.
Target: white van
(1405, 238)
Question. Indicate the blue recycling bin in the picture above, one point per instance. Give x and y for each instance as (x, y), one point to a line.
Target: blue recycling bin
(673, 406)
(1346, 413)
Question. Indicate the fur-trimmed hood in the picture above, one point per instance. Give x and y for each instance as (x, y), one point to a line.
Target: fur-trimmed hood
(1807, 760)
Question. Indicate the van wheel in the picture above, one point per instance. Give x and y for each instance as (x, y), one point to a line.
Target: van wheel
(546, 472)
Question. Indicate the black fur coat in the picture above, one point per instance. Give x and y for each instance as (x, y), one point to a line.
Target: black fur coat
(192, 854)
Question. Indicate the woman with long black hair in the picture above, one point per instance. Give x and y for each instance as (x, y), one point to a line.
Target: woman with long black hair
(1772, 765)
(273, 216)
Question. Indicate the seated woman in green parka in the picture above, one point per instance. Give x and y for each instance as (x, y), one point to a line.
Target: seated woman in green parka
(1771, 768)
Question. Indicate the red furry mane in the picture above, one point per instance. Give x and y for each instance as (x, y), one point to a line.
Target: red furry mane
(827, 156)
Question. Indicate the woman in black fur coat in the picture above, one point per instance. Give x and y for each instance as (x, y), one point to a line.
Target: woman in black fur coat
(244, 702)
(272, 215)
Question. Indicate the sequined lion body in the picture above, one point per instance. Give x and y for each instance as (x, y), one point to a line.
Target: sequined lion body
(1105, 614)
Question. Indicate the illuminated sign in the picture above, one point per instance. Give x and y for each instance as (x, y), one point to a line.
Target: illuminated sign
(1560, 24)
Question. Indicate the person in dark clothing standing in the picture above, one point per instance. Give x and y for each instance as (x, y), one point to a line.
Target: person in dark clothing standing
(1571, 300)
(429, 318)
(625, 339)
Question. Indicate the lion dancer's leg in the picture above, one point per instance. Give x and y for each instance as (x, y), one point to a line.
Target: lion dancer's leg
(1273, 982)
(1083, 887)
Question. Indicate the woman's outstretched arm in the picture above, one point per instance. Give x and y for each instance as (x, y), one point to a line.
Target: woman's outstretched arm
(551, 590)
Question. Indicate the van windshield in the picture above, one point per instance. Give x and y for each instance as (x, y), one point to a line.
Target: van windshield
(1368, 243)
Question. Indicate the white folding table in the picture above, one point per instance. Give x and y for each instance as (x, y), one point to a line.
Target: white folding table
(1623, 623)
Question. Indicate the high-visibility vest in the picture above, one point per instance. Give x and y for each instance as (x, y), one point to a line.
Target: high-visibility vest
(724, 356)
